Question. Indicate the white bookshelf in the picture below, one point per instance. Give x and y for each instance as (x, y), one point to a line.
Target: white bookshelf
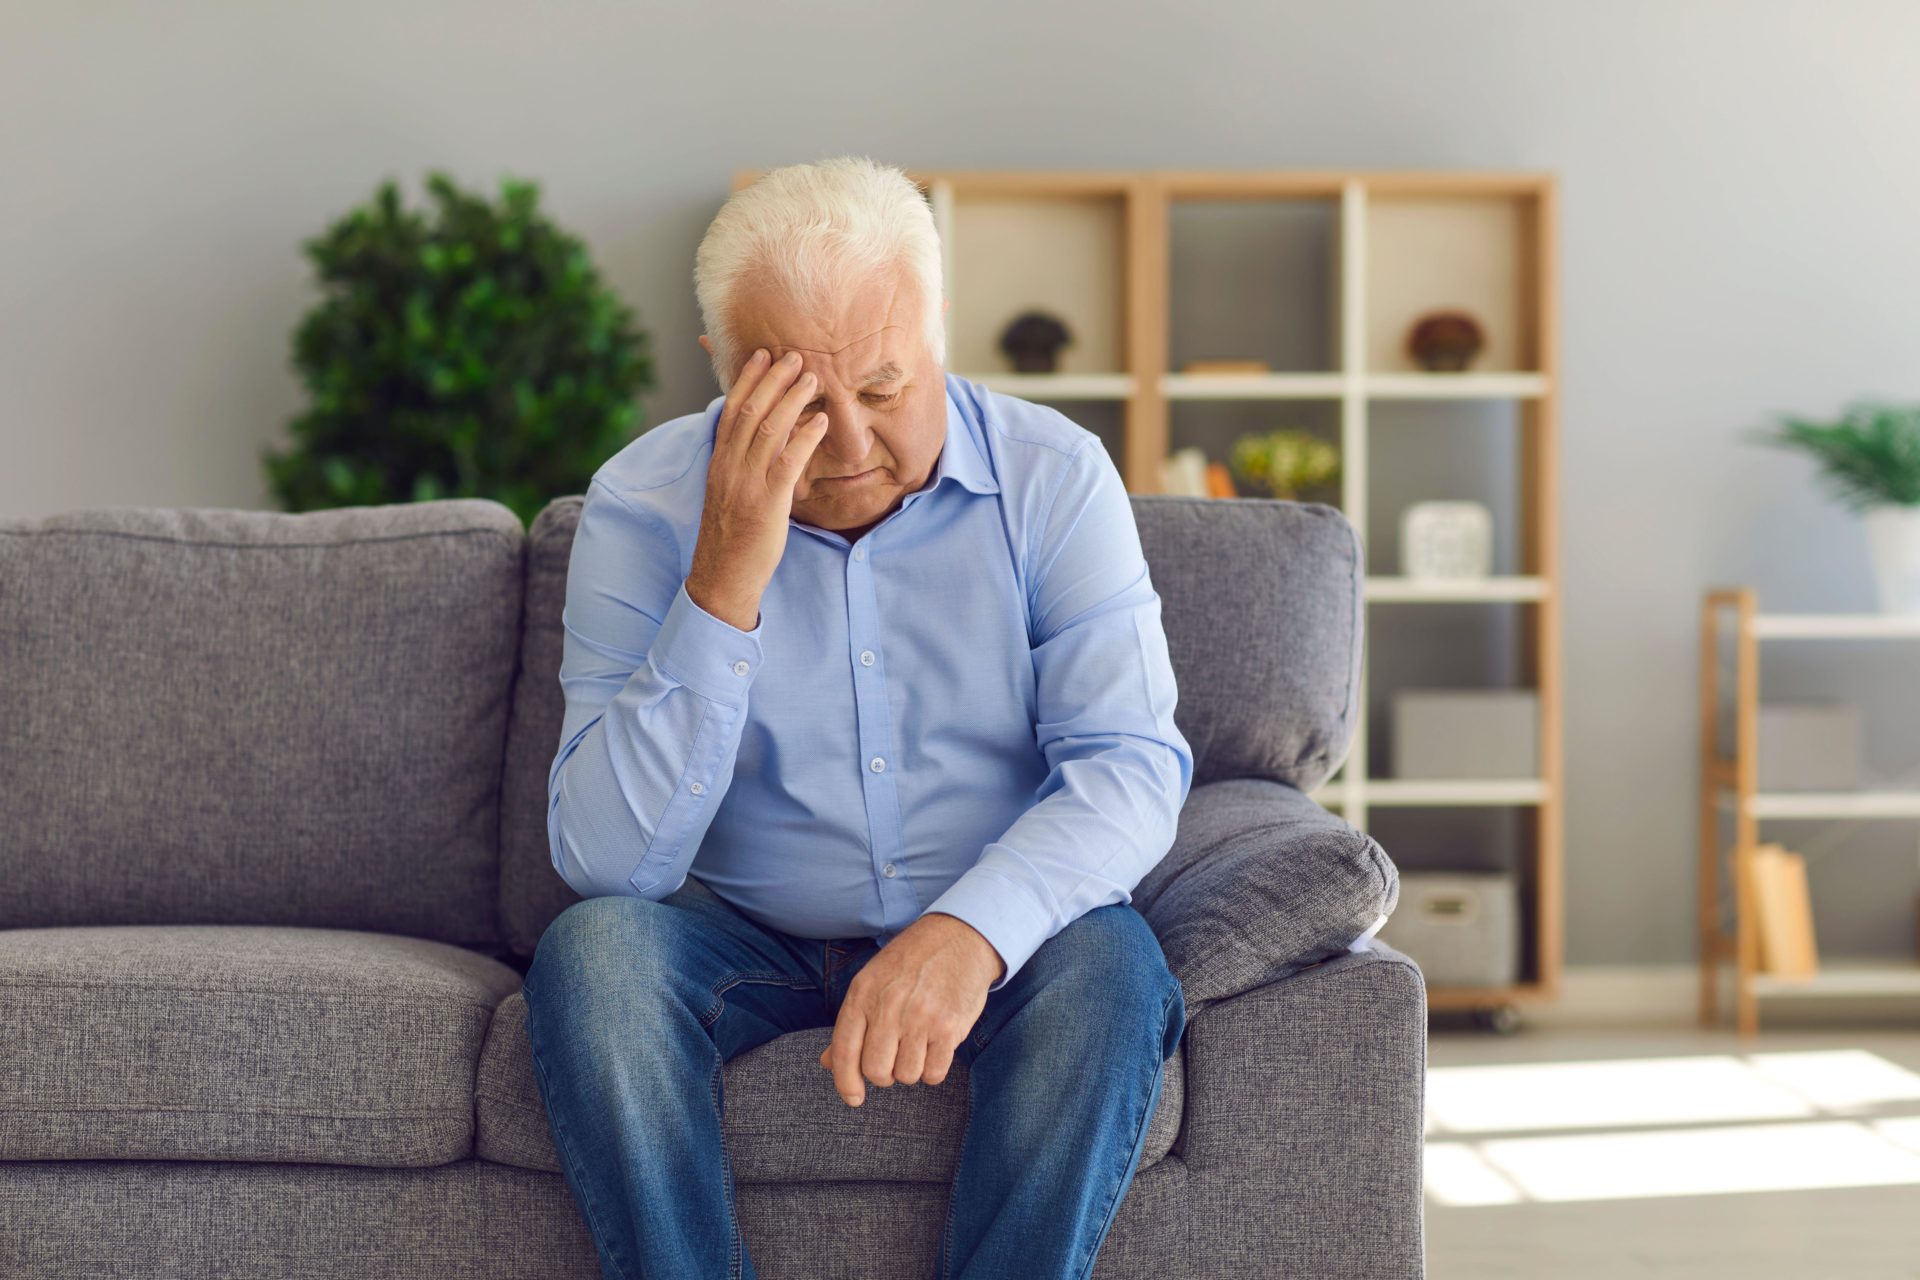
(1513, 587)
(1438, 793)
(1847, 980)
(1729, 784)
(1059, 386)
(1254, 386)
(1465, 386)
(1835, 626)
(1827, 804)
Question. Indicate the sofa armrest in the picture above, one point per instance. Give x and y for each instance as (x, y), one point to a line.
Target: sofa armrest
(1301, 1131)
(1260, 883)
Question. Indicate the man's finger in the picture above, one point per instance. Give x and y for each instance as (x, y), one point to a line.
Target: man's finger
(844, 1055)
(911, 1059)
(882, 1044)
(743, 383)
(939, 1063)
(759, 402)
(793, 459)
(769, 437)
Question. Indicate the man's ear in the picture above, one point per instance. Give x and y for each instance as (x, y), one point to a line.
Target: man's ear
(944, 300)
(706, 345)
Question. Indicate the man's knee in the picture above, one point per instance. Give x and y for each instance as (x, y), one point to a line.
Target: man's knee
(1109, 958)
(613, 933)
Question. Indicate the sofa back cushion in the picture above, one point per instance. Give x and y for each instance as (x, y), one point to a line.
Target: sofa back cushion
(1260, 600)
(221, 716)
(531, 891)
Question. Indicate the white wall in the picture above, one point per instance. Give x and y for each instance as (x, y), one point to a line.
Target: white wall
(1741, 222)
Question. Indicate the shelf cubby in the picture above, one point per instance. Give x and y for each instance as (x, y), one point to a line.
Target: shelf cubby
(1060, 252)
(1254, 279)
(1430, 249)
(1450, 450)
(1213, 426)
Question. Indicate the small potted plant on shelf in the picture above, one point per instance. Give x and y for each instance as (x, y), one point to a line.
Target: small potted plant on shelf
(470, 351)
(1284, 462)
(1870, 461)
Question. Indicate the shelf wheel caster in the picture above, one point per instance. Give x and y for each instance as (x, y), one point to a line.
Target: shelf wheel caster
(1501, 1019)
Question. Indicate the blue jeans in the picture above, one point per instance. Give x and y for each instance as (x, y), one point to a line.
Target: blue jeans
(633, 1005)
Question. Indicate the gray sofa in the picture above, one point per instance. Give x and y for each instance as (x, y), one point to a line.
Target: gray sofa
(273, 860)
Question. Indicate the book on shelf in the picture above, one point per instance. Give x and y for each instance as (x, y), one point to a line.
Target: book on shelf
(1783, 913)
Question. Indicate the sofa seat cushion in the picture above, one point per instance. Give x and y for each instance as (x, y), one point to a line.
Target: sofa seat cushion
(783, 1121)
(240, 1042)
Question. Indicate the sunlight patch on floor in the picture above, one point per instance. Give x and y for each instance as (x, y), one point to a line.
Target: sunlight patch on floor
(1669, 1127)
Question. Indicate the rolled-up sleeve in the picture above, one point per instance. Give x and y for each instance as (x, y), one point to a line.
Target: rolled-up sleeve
(1119, 768)
(656, 693)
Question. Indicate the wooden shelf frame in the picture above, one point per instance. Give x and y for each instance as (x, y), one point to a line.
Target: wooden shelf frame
(1144, 386)
(1730, 781)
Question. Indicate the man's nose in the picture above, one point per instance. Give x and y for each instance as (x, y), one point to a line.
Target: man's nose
(849, 433)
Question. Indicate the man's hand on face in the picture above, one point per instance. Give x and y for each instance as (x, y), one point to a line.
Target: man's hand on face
(911, 1005)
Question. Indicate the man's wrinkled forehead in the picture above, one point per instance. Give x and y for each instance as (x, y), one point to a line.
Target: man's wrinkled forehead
(862, 361)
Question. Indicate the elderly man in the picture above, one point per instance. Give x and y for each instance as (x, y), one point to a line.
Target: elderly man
(870, 725)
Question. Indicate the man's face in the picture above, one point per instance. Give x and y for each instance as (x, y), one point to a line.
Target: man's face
(883, 392)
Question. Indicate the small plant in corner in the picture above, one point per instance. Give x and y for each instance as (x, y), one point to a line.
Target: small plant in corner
(470, 351)
(1869, 460)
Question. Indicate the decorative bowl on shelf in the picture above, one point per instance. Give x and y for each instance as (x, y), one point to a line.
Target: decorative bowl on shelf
(1445, 341)
(1033, 341)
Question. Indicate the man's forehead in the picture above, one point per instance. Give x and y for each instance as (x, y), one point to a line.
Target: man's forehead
(851, 357)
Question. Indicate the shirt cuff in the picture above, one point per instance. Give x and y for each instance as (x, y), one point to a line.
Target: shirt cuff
(714, 658)
(1002, 911)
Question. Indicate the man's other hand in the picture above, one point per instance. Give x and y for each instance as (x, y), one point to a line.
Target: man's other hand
(911, 1005)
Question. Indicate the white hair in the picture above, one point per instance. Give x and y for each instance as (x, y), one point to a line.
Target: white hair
(811, 228)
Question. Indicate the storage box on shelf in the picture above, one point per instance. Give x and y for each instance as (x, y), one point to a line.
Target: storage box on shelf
(1317, 275)
(1461, 926)
(1730, 783)
(1466, 733)
(1805, 745)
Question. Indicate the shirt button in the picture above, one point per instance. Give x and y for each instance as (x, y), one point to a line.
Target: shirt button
(876, 764)
(740, 667)
(866, 657)
(887, 871)
(859, 553)
(698, 788)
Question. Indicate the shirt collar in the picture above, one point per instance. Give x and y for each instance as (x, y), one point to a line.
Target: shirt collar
(961, 456)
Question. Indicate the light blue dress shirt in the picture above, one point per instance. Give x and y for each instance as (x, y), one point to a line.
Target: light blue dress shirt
(968, 710)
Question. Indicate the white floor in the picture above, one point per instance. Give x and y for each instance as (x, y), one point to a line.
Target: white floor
(1556, 1154)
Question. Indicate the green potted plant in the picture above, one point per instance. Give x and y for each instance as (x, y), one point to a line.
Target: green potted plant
(470, 351)
(1870, 461)
(1285, 461)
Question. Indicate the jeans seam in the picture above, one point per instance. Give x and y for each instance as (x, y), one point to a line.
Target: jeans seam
(953, 1186)
(735, 1245)
(732, 980)
(573, 1164)
(980, 1035)
(1139, 1140)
